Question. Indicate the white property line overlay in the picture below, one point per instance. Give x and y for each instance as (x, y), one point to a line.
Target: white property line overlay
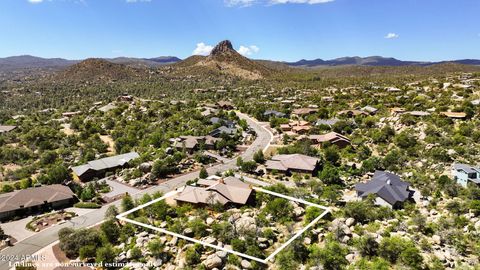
(123, 215)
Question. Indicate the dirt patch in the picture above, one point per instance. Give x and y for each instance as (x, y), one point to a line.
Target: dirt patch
(107, 139)
(11, 167)
(67, 130)
(8, 167)
(272, 150)
(59, 254)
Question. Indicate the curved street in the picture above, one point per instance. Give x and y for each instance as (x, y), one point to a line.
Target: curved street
(34, 243)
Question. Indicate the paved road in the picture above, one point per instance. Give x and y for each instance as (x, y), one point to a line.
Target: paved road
(44, 238)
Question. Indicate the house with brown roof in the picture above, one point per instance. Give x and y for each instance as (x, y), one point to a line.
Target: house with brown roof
(332, 138)
(418, 113)
(454, 115)
(397, 111)
(194, 143)
(5, 129)
(125, 98)
(285, 127)
(353, 113)
(71, 114)
(224, 191)
(293, 163)
(225, 105)
(296, 127)
(304, 111)
(301, 129)
(28, 201)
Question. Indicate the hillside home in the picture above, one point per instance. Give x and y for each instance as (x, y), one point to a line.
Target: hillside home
(297, 127)
(223, 122)
(223, 130)
(371, 110)
(332, 138)
(273, 113)
(352, 113)
(224, 191)
(393, 89)
(285, 127)
(304, 111)
(194, 143)
(327, 122)
(225, 105)
(475, 102)
(34, 200)
(293, 163)
(125, 98)
(418, 113)
(397, 111)
(454, 115)
(5, 129)
(463, 173)
(107, 108)
(328, 99)
(71, 114)
(388, 189)
(301, 129)
(98, 168)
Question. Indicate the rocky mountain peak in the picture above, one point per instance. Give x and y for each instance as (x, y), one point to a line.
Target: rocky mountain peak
(222, 47)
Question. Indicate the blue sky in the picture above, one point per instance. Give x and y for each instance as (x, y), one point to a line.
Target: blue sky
(286, 30)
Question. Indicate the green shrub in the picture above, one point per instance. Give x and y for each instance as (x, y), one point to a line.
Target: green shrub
(90, 205)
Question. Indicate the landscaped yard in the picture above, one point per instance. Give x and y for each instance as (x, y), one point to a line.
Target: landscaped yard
(44, 221)
(257, 231)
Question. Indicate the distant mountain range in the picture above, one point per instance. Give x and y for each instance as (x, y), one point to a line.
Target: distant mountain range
(24, 62)
(372, 61)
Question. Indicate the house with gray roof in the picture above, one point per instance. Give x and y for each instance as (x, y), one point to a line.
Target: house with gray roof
(464, 173)
(98, 168)
(224, 191)
(327, 122)
(33, 200)
(223, 130)
(371, 110)
(273, 113)
(107, 108)
(223, 122)
(388, 188)
(5, 129)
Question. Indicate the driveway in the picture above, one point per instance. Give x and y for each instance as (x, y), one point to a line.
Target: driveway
(16, 229)
(119, 188)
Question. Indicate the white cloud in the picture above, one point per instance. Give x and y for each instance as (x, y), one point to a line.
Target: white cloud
(247, 3)
(392, 36)
(43, 1)
(310, 2)
(240, 3)
(202, 49)
(248, 50)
